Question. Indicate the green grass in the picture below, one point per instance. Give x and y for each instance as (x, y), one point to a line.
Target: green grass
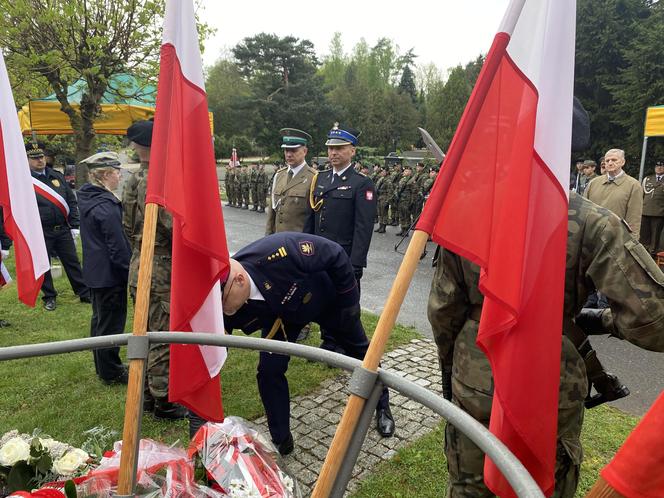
(62, 396)
(420, 469)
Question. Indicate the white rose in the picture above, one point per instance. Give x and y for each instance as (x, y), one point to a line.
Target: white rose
(14, 450)
(70, 462)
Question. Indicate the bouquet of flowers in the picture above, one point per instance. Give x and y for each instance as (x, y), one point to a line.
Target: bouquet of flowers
(28, 461)
(241, 462)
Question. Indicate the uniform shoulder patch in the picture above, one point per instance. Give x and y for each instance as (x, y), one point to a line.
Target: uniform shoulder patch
(307, 248)
(282, 169)
(368, 195)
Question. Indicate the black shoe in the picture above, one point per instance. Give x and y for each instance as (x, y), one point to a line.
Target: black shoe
(148, 399)
(261, 210)
(165, 410)
(381, 229)
(286, 447)
(85, 298)
(122, 378)
(245, 207)
(304, 333)
(384, 422)
(4, 323)
(377, 230)
(49, 304)
(332, 346)
(254, 208)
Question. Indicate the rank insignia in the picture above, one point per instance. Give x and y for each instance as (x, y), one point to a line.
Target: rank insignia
(56, 182)
(306, 298)
(281, 253)
(267, 285)
(307, 248)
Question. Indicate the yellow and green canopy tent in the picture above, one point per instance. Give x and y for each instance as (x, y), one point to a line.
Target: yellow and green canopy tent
(124, 102)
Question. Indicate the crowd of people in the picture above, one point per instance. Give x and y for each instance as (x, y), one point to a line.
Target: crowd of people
(309, 267)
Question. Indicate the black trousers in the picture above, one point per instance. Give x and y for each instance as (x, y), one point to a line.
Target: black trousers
(271, 376)
(61, 244)
(109, 314)
(652, 233)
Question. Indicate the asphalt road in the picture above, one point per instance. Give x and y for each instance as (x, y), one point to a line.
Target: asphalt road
(642, 371)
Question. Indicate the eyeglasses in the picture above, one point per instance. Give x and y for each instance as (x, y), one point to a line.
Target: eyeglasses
(227, 292)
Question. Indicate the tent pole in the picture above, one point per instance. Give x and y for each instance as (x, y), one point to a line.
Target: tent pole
(643, 158)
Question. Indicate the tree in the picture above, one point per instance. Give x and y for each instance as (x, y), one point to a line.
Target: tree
(407, 84)
(62, 41)
(641, 83)
(604, 28)
(285, 89)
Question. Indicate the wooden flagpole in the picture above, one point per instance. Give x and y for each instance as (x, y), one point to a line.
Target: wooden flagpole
(133, 404)
(603, 489)
(388, 317)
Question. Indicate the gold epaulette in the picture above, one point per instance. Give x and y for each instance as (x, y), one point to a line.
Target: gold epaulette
(312, 202)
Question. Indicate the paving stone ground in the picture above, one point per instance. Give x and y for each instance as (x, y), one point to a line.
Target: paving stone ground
(314, 417)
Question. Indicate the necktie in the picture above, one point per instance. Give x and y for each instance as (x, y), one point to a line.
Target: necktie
(335, 178)
(290, 174)
(611, 179)
(659, 178)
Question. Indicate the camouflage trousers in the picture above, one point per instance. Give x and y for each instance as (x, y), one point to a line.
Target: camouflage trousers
(383, 212)
(472, 388)
(404, 215)
(156, 374)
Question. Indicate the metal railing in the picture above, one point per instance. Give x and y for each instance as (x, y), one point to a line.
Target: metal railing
(361, 381)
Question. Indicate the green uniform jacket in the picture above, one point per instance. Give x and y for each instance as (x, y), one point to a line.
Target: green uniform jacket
(653, 196)
(289, 206)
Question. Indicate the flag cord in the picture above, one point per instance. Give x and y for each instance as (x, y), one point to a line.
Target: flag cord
(350, 417)
(133, 405)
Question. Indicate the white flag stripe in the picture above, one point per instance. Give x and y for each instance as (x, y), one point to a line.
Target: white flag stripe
(180, 31)
(550, 68)
(21, 194)
(210, 319)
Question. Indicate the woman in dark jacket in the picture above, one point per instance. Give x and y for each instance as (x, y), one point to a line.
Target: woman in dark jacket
(106, 254)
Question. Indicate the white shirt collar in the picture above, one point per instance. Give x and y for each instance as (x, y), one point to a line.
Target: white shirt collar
(609, 177)
(297, 169)
(343, 170)
(254, 293)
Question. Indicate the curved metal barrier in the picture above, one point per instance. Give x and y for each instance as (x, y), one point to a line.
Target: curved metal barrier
(515, 473)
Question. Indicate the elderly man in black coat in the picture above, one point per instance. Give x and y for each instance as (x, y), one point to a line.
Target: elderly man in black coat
(280, 283)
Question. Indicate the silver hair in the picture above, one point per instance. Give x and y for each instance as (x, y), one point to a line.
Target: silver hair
(620, 152)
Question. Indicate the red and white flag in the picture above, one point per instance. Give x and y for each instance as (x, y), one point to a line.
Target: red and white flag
(234, 160)
(17, 199)
(501, 201)
(183, 178)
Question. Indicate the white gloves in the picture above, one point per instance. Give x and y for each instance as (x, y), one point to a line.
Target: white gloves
(75, 233)
(4, 253)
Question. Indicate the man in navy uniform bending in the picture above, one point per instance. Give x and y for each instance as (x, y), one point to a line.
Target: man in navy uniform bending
(280, 283)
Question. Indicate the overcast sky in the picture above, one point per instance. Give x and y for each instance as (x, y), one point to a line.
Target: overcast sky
(445, 32)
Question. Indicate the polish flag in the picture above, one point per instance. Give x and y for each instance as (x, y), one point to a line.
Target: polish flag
(501, 202)
(17, 199)
(234, 160)
(183, 178)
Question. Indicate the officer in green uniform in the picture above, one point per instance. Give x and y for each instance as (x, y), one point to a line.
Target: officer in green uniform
(384, 193)
(403, 197)
(652, 224)
(289, 206)
(156, 391)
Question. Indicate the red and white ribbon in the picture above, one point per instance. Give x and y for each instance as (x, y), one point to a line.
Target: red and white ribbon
(51, 195)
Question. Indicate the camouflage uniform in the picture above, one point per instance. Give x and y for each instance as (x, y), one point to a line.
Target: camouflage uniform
(393, 179)
(600, 250)
(160, 290)
(384, 192)
(228, 185)
(253, 193)
(404, 195)
(243, 182)
(260, 189)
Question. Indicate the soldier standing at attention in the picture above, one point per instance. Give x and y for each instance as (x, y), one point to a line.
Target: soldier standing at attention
(253, 193)
(343, 201)
(652, 224)
(289, 208)
(155, 397)
(384, 193)
(58, 212)
(228, 180)
(261, 186)
(394, 179)
(403, 197)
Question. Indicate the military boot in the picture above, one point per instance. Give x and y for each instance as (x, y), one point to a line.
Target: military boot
(148, 399)
(165, 410)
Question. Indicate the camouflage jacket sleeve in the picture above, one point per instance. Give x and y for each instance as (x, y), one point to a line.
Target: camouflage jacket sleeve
(449, 303)
(620, 268)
